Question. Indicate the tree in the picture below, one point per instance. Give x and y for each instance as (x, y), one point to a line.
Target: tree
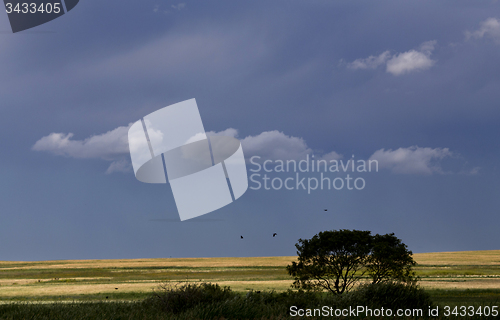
(390, 260)
(336, 260)
(331, 260)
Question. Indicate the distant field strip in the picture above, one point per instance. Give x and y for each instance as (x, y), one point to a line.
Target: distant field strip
(134, 279)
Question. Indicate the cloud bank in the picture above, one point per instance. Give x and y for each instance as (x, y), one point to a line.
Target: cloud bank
(412, 160)
(104, 146)
(371, 62)
(273, 145)
(110, 146)
(399, 63)
(113, 146)
(490, 28)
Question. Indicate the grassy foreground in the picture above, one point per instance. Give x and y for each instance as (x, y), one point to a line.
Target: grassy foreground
(209, 301)
(475, 274)
(119, 287)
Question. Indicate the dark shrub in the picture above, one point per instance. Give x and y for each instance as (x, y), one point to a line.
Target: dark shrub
(393, 295)
(300, 299)
(181, 297)
(255, 305)
(209, 301)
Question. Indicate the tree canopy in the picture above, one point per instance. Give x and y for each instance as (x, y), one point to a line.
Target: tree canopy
(336, 260)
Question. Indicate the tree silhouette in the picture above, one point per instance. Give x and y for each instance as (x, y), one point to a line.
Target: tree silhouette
(336, 260)
(390, 260)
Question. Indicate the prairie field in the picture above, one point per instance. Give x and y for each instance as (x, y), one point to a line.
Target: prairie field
(470, 275)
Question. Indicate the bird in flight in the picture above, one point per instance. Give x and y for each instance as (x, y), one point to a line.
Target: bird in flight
(241, 237)
(274, 234)
(326, 210)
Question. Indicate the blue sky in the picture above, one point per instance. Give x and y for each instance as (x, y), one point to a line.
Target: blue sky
(415, 85)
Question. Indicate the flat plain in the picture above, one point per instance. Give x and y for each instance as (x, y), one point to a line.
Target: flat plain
(134, 279)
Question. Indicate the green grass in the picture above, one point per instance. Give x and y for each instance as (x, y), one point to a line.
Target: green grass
(150, 273)
(93, 280)
(194, 302)
(457, 270)
(81, 310)
(466, 297)
(98, 297)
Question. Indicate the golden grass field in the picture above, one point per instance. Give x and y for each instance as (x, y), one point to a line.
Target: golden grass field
(134, 279)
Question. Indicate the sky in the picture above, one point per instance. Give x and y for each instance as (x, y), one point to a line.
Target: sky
(414, 85)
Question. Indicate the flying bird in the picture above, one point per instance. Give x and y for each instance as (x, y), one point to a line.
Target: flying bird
(241, 237)
(274, 234)
(326, 210)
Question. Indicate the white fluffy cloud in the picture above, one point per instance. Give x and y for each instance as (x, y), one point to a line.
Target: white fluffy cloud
(413, 60)
(273, 145)
(412, 160)
(179, 6)
(371, 62)
(121, 165)
(230, 132)
(489, 28)
(111, 146)
(399, 63)
(106, 146)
